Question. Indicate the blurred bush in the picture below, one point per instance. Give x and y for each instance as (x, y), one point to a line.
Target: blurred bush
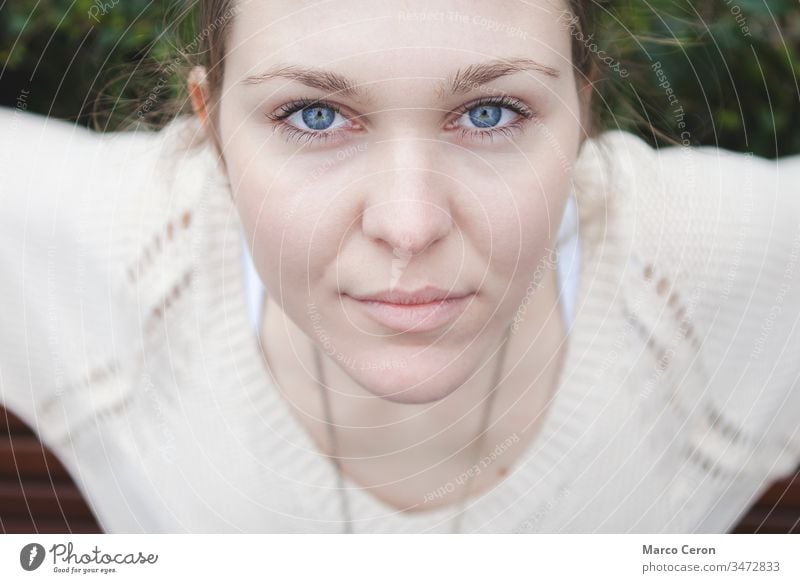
(732, 65)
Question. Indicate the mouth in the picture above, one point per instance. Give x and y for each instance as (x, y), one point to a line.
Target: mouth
(420, 311)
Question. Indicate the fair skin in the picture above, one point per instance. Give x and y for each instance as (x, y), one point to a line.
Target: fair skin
(404, 191)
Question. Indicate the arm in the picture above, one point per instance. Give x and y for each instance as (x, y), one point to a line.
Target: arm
(767, 196)
(58, 299)
(733, 235)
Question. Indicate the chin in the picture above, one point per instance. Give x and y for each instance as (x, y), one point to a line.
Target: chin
(411, 385)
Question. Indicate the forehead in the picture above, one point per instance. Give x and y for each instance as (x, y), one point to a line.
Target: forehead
(384, 39)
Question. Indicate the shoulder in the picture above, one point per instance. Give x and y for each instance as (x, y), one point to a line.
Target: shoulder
(74, 184)
(622, 153)
(705, 187)
(705, 211)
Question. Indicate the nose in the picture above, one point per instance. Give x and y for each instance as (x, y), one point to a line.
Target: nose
(408, 206)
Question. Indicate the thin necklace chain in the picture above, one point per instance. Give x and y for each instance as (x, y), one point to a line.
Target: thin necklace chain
(455, 525)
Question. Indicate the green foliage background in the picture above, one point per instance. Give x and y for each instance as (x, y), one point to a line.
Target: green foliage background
(738, 86)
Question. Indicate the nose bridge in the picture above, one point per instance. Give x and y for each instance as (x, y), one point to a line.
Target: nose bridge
(408, 150)
(408, 203)
(412, 171)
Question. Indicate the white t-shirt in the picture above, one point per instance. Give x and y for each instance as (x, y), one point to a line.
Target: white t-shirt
(568, 267)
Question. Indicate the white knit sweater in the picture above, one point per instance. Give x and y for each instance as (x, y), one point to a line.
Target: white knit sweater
(125, 342)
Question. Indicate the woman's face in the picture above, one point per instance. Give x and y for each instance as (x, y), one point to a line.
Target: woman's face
(382, 146)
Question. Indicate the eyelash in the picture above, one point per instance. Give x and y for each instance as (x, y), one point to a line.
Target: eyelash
(295, 134)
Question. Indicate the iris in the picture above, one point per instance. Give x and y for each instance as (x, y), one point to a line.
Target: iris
(318, 118)
(485, 116)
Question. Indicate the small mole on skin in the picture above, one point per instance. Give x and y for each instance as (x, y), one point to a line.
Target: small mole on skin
(502, 471)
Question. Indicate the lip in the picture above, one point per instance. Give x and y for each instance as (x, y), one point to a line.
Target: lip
(421, 311)
(423, 295)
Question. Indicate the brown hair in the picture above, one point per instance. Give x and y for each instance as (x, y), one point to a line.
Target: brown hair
(209, 22)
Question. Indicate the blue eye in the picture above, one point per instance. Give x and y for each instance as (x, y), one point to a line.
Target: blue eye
(309, 116)
(485, 116)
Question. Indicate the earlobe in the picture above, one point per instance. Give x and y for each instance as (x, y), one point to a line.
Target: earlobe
(198, 93)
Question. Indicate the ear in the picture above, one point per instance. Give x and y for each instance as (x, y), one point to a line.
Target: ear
(197, 85)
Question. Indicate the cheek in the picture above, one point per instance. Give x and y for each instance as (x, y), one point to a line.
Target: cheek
(287, 218)
(526, 216)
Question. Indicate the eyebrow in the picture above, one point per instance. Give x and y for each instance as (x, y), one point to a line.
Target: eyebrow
(462, 81)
